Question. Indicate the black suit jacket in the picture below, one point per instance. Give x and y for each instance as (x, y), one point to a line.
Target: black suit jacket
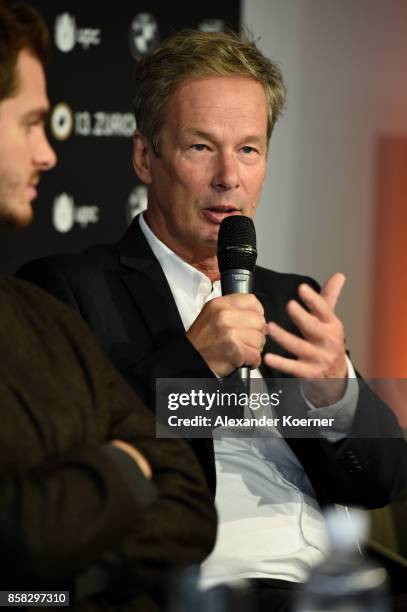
(122, 293)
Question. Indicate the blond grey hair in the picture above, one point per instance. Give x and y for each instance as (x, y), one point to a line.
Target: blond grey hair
(192, 54)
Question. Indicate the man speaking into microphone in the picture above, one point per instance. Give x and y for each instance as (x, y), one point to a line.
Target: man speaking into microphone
(205, 107)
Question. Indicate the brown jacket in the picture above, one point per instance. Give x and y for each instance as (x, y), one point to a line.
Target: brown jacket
(73, 505)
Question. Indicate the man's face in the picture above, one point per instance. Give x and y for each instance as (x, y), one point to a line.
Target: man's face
(213, 147)
(24, 149)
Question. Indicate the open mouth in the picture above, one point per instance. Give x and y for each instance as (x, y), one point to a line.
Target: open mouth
(216, 214)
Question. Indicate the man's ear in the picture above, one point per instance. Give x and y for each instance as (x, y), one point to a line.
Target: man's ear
(141, 157)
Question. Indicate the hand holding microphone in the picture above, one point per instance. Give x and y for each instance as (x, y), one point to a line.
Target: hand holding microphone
(237, 254)
(229, 332)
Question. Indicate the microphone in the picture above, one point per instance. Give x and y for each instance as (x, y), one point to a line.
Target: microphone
(237, 255)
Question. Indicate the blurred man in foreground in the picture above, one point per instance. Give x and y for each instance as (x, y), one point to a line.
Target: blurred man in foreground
(91, 502)
(206, 104)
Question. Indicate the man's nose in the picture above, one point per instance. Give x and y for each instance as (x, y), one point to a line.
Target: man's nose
(44, 155)
(226, 174)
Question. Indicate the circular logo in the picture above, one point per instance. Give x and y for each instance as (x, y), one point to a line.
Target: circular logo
(144, 35)
(65, 32)
(136, 203)
(63, 213)
(61, 121)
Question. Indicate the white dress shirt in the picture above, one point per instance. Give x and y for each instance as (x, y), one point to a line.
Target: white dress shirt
(270, 522)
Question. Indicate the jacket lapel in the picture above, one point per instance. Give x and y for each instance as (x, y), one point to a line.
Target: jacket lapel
(146, 282)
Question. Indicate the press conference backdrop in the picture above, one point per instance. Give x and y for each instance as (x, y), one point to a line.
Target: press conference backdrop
(92, 194)
(339, 137)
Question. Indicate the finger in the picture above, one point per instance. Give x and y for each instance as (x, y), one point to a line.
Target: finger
(315, 302)
(246, 301)
(238, 343)
(249, 321)
(223, 316)
(291, 343)
(251, 357)
(332, 289)
(308, 324)
(252, 339)
(293, 367)
(257, 340)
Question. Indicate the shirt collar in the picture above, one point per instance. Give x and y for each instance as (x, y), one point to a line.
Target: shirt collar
(178, 272)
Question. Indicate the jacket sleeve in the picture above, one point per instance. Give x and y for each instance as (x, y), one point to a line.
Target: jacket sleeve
(72, 497)
(368, 467)
(61, 516)
(372, 459)
(172, 356)
(179, 527)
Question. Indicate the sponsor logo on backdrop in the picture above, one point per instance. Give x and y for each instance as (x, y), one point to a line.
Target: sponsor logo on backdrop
(102, 124)
(61, 121)
(65, 214)
(67, 34)
(144, 35)
(64, 122)
(211, 25)
(136, 203)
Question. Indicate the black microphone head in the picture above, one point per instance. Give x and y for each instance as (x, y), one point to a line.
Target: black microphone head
(237, 244)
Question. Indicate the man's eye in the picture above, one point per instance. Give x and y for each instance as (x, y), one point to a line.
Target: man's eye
(199, 147)
(248, 150)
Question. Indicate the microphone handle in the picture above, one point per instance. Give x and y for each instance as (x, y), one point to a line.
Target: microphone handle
(244, 373)
(238, 280)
